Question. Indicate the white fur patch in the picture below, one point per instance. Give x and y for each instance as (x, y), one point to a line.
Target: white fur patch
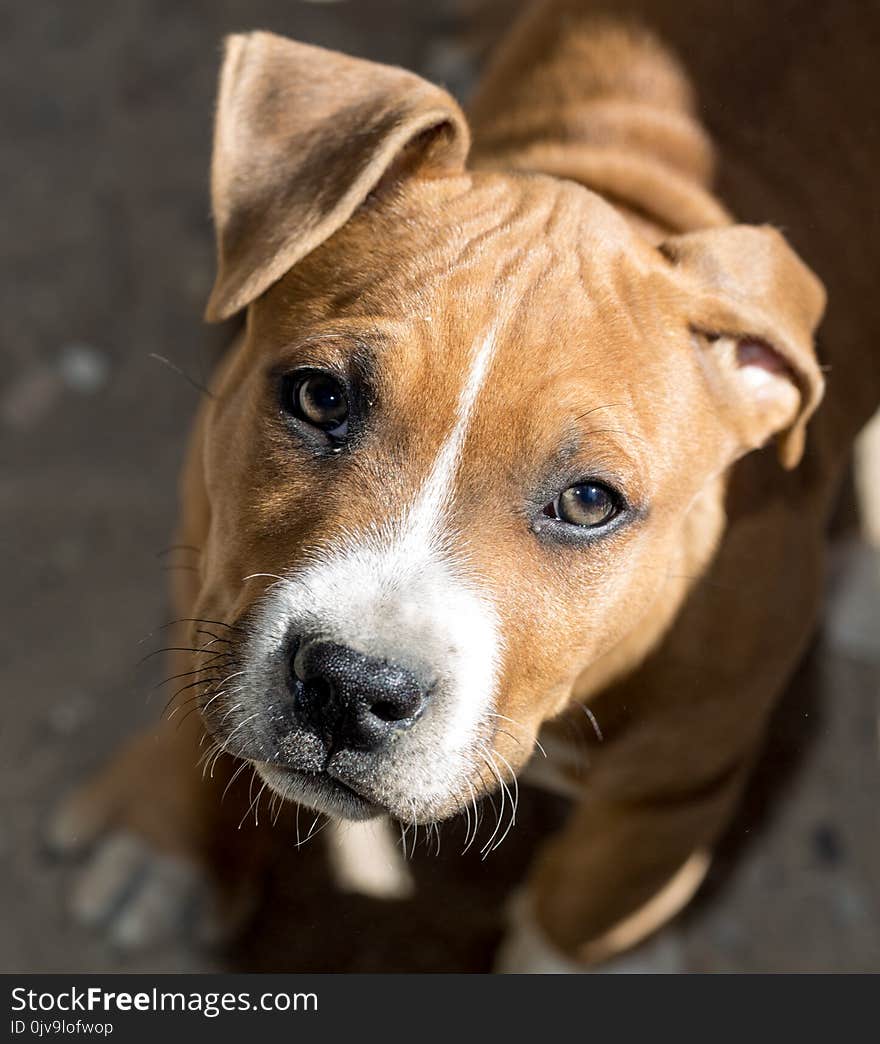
(366, 858)
(424, 521)
(399, 590)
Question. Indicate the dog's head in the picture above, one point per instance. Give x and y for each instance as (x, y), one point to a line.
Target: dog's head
(454, 461)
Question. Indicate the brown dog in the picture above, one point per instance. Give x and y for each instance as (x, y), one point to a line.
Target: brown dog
(485, 458)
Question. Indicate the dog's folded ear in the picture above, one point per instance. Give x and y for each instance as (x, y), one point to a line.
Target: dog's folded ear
(754, 307)
(302, 136)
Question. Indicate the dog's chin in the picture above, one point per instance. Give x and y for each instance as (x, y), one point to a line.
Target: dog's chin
(318, 791)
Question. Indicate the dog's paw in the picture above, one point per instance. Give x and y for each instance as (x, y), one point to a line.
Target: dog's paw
(525, 949)
(135, 894)
(140, 877)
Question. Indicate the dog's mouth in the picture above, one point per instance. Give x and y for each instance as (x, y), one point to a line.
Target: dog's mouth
(320, 791)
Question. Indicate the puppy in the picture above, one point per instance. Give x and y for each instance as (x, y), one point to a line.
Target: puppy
(514, 433)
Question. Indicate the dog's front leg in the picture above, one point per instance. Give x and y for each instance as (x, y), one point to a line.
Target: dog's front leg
(617, 872)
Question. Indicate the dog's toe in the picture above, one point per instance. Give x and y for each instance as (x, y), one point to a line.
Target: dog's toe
(137, 896)
(161, 905)
(110, 873)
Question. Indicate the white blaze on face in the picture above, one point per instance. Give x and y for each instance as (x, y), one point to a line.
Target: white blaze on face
(425, 520)
(399, 590)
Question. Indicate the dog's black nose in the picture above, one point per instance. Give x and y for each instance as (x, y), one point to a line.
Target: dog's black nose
(354, 700)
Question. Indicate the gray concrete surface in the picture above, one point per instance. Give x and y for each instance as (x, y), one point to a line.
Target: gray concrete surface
(107, 257)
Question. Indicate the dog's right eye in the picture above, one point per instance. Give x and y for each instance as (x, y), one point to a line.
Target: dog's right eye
(318, 399)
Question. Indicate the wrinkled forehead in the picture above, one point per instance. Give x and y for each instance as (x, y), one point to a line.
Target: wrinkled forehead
(467, 245)
(441, 263)
(527, 286)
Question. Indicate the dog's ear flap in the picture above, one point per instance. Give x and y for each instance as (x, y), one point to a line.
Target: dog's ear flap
(302, 136)
(754, 306)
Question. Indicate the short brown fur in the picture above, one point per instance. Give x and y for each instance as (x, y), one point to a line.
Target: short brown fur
(680, 633)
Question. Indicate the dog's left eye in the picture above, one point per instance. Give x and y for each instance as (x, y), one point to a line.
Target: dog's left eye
(318, 399)
(586, 504)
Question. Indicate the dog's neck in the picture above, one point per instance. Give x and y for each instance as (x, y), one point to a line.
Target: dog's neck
(603, 105)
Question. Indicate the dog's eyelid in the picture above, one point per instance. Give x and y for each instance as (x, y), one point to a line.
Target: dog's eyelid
(600, 459)
(301, 367)
(345, 354)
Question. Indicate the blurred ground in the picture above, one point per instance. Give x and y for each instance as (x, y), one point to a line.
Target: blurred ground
(107, 257)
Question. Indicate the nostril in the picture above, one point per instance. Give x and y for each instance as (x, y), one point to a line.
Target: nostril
(400, 705)
(385, 710)
(350, 697)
